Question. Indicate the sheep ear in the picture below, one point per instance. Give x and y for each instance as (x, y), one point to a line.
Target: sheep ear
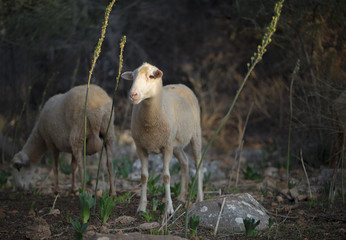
(127, 76)
(158, 74)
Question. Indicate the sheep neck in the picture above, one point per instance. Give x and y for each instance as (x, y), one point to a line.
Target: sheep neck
(35, 146)
(152, 110)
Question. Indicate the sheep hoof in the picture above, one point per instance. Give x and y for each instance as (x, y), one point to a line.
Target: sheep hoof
(169, 210)
(141, 208)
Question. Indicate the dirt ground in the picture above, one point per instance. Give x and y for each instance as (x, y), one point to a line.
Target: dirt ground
(300, 219)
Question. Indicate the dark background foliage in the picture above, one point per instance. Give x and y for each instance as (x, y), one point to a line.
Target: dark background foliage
(46, 48)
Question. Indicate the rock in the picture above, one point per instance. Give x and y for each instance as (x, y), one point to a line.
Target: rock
(39, 230)
(271, 172)
(148, 226)
(132, 236)
(237, 207)
(124, 220)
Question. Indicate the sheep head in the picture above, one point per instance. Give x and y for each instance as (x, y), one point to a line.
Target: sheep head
(147, 81)
(23, 171)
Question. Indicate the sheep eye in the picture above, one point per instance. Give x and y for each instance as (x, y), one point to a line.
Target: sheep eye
(151, 77)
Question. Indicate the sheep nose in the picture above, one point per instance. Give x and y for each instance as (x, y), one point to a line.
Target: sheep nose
(133, 95)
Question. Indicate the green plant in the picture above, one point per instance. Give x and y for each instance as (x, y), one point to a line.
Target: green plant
(193, 223)
(250, 227)
(175, 169)
(106, 206)
(65, 168)
(155, 204)
(251, 173)
(161, 207)
(291, 184)
(86, 201)
(152, 181)
(122, 166)
(311, 202)
(264, 191)
(79, 229)
(123, 198)
(270, 222)
(147, 216)
(68, 218)
(3, 177)
(32, 205)
(93, 63)
(175, 189)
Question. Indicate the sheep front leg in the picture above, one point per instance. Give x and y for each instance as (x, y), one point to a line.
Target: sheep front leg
(167, 157)
(143, 156)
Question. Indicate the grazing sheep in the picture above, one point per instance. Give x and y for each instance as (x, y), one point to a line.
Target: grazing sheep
(339, 112)
(60, 128)
(164, 120)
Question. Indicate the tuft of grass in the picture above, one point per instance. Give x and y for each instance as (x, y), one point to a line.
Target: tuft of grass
(79, 229)
(3, 177)
(255, 59)
(193, 223)
(251, 173)
(147, 216)
(153, 189)
(65, 168)
(126, 197)
(122, 167)
(106, 206)
(86, 201)
(175, 189)
(250, 227)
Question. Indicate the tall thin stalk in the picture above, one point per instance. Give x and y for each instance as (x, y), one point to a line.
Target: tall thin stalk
(93, 63)
(342, 163)
(122, 45)
(261, 49)
(295, 71)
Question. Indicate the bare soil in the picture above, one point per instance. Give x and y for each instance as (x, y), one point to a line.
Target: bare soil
(18, 212)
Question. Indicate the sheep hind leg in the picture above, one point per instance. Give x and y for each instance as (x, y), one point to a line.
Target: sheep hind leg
(196, 150)
(184, 167)
(56, 170)
(167, 157)
(110, 170)
(73, 170)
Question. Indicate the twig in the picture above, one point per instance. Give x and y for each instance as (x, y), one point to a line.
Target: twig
(56, 197)
(178, 217)
(164, 223)
(306, 174)
(219, 217)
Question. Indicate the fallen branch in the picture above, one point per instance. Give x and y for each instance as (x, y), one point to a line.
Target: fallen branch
(219, 217)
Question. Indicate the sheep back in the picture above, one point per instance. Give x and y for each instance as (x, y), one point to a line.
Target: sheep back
(62, 116)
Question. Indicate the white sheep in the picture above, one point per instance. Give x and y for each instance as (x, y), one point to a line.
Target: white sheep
(60, 128)
(164, 120)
